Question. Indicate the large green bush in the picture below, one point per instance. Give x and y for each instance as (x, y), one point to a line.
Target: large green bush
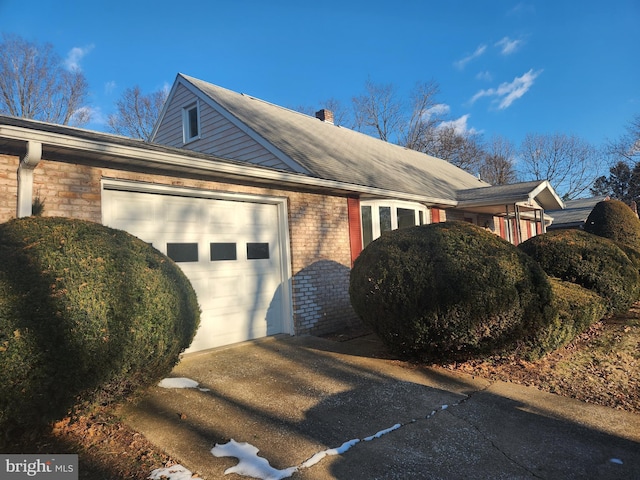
(87, 314)
(575, 310)
(449, 290)
(614, 220)
(593, 262)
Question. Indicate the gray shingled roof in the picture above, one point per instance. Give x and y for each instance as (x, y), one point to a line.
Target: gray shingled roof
(575, 212)
(336, 153)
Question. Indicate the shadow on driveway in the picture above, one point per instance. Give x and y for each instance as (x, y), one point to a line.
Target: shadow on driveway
(296, 396)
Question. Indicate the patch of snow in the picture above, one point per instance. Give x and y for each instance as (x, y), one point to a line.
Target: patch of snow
(331, 451)
(383, 432)
(444, 407)
(180, 382)
(250, 464)
(176, 472)
(616, 461)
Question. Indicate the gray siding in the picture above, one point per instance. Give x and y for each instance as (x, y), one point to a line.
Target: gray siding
(218, 136)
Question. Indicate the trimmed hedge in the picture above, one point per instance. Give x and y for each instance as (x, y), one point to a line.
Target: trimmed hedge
(449, 290)
(614, 220)
(87, 314)
(593, 262)
(576, 309)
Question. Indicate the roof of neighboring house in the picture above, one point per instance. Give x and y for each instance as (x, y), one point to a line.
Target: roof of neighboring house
(575, 212)
(333, 152)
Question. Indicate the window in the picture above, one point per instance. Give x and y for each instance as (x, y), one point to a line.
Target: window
(385, 219)
(379, 216)
(191, 122)
(367, 225)
(182, 252)
(222, 251)
(257, 251)
(406, 217)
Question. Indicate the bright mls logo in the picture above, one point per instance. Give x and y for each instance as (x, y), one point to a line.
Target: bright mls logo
(45, 466)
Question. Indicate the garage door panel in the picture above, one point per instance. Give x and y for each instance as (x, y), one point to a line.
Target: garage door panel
(240, 296)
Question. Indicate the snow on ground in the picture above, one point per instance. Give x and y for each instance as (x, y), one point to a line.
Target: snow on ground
(249, 463)
(180, 382)
(175, 472)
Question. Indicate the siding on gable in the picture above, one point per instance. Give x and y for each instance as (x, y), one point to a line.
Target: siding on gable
(218, 136)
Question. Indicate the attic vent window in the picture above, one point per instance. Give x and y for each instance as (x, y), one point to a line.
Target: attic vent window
(191, 122)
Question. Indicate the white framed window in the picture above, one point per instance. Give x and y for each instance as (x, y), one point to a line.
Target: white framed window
(379, 216)
(191, 122)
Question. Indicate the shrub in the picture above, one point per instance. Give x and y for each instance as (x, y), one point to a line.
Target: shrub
(87, 314)
(575, 308)
(614, 220)
(449, 290)
(593, 262)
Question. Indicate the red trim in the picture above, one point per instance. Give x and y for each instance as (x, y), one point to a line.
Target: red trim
(355, 227)
(514, 224)
(503, 234)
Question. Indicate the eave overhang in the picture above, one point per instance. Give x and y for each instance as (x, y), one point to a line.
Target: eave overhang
(111, 151)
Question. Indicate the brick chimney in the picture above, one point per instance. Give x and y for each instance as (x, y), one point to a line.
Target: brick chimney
(325, 115)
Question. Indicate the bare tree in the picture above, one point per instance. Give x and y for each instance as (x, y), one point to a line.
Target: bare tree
(568, 162)
(426, 114)
(378, 112)
(497, 166)
(34, 84)
(627, 147)
(137, 113)
(463, 149)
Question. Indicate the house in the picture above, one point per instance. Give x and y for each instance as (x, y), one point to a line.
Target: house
(574, 214)
(263, 208)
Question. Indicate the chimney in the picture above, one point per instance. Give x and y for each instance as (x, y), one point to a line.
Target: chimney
(325, 115)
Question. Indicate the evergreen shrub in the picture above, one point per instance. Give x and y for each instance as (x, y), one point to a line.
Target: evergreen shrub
(614, 220)
(594, 262)
(575, 308)
(449, 290)
(87, 314)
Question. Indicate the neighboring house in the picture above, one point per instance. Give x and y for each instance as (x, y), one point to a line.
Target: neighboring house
(265, 209)
(574, 214)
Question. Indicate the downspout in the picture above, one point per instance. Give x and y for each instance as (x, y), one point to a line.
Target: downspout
(27, 165)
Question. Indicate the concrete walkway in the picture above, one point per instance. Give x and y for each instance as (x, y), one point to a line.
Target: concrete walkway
(294, 397)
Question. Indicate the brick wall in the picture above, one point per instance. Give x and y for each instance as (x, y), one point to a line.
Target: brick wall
(318, 224)
(321, 259)
(8, 187)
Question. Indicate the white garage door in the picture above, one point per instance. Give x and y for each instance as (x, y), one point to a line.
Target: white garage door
(230, 251)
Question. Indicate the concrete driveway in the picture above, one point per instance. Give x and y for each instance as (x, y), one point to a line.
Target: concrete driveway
(294, 397)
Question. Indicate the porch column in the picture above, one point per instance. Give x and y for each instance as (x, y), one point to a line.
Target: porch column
(28, 163)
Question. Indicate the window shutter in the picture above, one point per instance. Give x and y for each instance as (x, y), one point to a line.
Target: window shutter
(355, 229)
(435, 215)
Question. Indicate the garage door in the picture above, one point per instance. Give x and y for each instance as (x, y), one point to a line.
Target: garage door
(230, 251)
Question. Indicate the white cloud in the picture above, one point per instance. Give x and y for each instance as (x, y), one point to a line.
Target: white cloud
(508, 92)
(486, 76)
(439, 109)
(508, 46)
(109, 87)
(522, 9)
(72, 62)
(460, 126)
(460, 64)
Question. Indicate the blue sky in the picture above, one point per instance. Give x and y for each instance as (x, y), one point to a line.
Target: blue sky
(504, 67)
